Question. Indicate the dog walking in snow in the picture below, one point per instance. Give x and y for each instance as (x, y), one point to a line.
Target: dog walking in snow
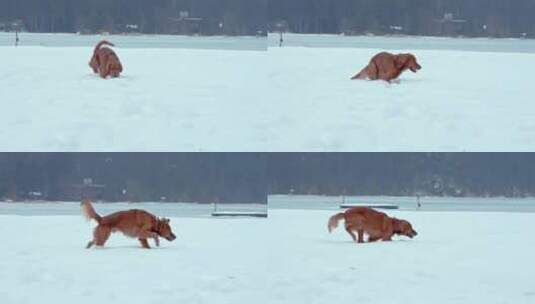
(134, 223)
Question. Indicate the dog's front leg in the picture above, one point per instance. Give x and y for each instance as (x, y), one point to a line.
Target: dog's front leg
(387, 237)
(144, 243)
(156, 239)
(360, 235)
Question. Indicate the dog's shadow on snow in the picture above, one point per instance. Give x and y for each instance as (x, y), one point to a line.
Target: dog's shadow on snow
(366, 243)
(97, 77)
(130, 247)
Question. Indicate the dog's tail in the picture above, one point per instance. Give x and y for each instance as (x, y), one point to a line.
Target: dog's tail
(101, 43)
(89, 212)
(334, 220)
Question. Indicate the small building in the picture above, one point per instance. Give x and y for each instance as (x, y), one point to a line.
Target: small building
(448, 25)
(185, 25)
(87, 190)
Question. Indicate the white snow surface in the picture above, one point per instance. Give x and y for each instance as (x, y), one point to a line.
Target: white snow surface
(285, 99)
(458, 101)
(165, 100)
(458, 257)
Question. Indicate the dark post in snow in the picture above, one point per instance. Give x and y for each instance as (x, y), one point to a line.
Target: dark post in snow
(418, 201)
(16, 37)
(281, 27)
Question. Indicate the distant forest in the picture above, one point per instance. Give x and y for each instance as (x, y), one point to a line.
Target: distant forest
(184, 177)
(493, 18)
(203, 17)
(471, 18)
(400, 174)
(249, 177)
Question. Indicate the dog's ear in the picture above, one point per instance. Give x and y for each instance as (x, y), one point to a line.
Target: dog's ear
(400, 61)
(396, 224)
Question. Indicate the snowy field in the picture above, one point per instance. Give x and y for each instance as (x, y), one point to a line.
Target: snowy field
(293, 98)
(459, 101)
(167, 100)
(458, 257)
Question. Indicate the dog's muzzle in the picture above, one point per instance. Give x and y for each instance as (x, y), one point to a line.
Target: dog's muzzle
(171, 238)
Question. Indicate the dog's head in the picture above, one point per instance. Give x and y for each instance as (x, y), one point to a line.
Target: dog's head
(403, 227)
(407, 61)
(114, 67)
(164, 230)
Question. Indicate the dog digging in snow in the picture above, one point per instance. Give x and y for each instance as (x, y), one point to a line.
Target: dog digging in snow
(388, 67)
(377, 225)
(105, 61)
(134, 223)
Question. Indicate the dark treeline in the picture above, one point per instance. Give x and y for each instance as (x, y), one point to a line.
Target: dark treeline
(206, 17)
(186, 177)
(496, 18)
(437, 174)
(249, 177)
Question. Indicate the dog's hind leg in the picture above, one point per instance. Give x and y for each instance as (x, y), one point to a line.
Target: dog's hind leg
(144, 243)
(351, 233)
(101, 235)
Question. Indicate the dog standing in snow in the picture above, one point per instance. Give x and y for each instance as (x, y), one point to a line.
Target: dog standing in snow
(134, 223)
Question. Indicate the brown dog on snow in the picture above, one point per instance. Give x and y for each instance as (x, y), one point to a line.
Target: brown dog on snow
(104, 61)
(133, 223)
(376, 224)
(388, 66)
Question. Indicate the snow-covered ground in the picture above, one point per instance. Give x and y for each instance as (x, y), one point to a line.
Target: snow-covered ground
(287, 99)
(459, 101)
(166, 100)
(457, 257)
(212, 261)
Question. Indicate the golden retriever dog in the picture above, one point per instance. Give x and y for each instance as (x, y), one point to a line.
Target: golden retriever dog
(104, 61)
(377, 225)
(134, 223)
(386, 66)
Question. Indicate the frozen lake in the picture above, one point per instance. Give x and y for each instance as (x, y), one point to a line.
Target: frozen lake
(139, 41)
(317, 202)
(159, 209)
(405, 43)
